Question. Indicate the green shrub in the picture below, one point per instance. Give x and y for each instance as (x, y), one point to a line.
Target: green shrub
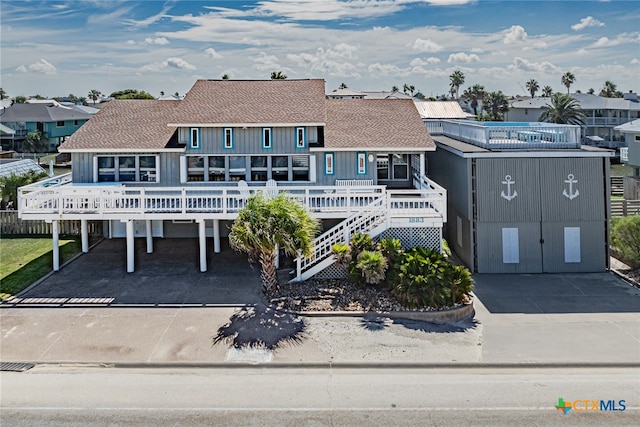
(428, 279)
(625, 239)
(342, 253)
(392, 251)
(372, 265)
(360, 242)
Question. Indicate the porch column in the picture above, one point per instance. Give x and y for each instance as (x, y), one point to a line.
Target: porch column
(149, 237)
(130, 246)
(56, 245)
(422, 167)
(216, 236)
(203, 245)
(84, 232)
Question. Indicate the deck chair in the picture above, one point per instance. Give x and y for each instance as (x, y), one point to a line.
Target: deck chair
(243, 188)
(271, 189)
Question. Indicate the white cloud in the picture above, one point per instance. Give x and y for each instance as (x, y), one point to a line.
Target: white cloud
(266, 62)
(582, 52)
(521, 64)
(157, 40)
(515, 34)
(178, 63)
(379, 69)
(131, 42)
(426, 46)
(463, 58)
(589, 21)
(42, 66)
(211, 53)
(334, 61)
(634, 61)
(150, 20)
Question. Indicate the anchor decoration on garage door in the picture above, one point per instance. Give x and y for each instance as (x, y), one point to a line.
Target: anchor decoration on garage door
(571, 194)
(508, 182)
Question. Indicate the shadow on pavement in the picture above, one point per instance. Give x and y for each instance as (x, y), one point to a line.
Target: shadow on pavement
(168, 276)
(261, 327)
(556, 293)
(379, 323)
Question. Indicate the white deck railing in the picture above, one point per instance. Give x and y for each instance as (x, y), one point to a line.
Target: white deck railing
(513, 136)
(118, 201)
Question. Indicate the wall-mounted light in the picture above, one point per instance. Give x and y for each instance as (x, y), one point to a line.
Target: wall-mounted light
(370, 158)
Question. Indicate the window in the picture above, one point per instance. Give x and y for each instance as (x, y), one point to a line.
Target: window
(280, 168)
(258, 168)
(637, 137)
(400, 166)
(228, 138)
(216, 168)
(362, 163)
(194, 141)
(195, 168)
(75, 122)
(393, 167)
(300, 138)
(328, 163)
(237, 168)
(510, 246)
(126, 168)
(382, 163)
(60, 123)
(300, 167)
(266, 138)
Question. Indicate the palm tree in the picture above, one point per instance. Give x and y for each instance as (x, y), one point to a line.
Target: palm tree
(547, 91)
(226, 77)
(533, 87)
(564, 110)
(457, 79)
(395, 89)
(591, 91)
(496, 105)
(475, 94)
(3, 94)
(33, 143)
(568, 79)
(278, 75)
(609, 89)
(268, 223)
(94, 94)
(342, 86)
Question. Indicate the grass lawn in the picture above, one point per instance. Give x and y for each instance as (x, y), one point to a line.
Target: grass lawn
(25, 260)
(621, 170)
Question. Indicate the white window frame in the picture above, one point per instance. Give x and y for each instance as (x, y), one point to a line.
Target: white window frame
(267, 135)
(301, 138)
(194, 138)
(116, 167)
(329, 163)
(361, 159)
(227, 138)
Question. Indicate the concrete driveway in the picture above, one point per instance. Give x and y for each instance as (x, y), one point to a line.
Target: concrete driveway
(170, 276)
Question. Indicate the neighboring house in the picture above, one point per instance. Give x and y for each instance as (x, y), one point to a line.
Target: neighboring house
(387, 95)
(10, 167)
(434, 112)
(54, 121)
(346, 93)
(630, 155)
(523, 197)
(603, 115)
(184, 168)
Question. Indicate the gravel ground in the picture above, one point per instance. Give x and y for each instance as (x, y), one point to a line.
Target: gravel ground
(628, 272)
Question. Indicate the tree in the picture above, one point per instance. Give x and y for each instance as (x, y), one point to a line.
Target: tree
(610, 90)
(161, 93)
(567, 80)
(547, 91)
(496, 105)
(342, 86)
(225, 77)
(395, 89)
(591, 91)
(268, 223)
(131, 94)
(408, 89)
(533, 87)
(278, 75)
(3, 94)
(563, 110)
(20, 99)
(94, 94)
(475, 94)
(457, 80)
(33, 143)
(9, 186)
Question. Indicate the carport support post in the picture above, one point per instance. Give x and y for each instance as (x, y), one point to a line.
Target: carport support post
(422, 169)
(130, 246)
(203, 245)
(216, 236)
(56, 245)
(84, 231)
(149, 237)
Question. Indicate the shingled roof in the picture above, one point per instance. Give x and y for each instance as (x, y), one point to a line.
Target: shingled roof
(216, 102)
(125, 125)
(375, 124)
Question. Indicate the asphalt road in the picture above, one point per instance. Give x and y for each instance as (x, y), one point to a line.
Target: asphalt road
(50, 395)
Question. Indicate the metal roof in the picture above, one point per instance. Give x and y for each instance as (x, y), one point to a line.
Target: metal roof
(632, 126)
(41, 113)
(10, 167)
(440, 110)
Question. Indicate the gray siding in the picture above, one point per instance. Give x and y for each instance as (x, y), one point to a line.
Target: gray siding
(453, 173)
(490, 253)
(593, 247)
(345, 167)
(82, 171)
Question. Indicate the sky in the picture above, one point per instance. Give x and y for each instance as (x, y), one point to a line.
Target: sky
(56, 48)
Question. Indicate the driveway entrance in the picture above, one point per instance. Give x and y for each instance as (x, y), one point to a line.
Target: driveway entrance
(169, 276)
